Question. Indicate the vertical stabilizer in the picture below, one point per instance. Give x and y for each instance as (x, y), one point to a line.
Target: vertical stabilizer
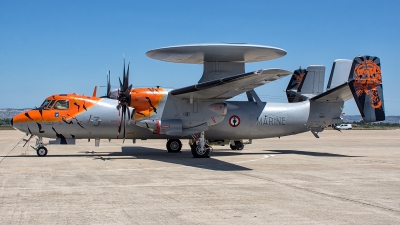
(292, 90)
(339, 73)
(305, 83)
(313, 83)
(365, 81)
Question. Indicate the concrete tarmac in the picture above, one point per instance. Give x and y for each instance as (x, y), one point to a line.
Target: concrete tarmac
(351, 177)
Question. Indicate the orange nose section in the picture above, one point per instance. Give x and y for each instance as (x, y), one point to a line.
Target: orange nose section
(20, 121)
(21, 118)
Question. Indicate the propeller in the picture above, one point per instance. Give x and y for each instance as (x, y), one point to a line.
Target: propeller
(109, 93)
(124, 99)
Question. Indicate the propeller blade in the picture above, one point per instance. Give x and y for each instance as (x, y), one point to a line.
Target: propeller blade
(123, 115)
(120, 83)
(126, 80)
(129, 115)
(108, 85)
(128, 90)
(133, 114)
(119, 128)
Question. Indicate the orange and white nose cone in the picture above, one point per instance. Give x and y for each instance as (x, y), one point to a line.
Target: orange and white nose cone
(19, 122)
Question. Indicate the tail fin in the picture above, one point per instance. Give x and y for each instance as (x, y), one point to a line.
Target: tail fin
(365, 81)
(293, 88)
(339, 73)
(305, 83)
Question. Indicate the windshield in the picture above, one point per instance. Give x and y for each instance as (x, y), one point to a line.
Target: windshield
(45, 103)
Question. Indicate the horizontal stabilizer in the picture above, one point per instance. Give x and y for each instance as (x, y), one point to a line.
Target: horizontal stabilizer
(338, 94)
(229, 87)
(294, 96)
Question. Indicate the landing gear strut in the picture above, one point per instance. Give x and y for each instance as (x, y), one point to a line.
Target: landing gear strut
(199, 147)
(174, 145)
(41, 151)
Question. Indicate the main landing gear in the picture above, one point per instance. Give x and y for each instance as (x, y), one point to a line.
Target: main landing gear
(236, 145)
(174, 145)
(199, 147)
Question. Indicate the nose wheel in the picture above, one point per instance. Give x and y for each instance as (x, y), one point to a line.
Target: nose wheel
(41, 151)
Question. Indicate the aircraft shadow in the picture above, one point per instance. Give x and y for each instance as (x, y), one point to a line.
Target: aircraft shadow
(184, 158)
(317, 154)
(228, 152)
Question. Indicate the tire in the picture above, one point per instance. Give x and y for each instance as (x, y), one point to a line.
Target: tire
(238, 146)
(174, 145)
(41, 152)
(197, 153)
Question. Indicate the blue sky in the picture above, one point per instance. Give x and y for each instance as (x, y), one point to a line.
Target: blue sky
(49, 47)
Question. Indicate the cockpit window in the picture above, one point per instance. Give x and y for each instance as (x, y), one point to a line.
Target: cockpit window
(51, 104)
(61, 105)
(45, 103)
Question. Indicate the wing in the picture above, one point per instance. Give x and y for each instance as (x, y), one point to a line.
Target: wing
(229, 87)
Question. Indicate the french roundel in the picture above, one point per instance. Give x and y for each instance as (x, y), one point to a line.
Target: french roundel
(234, 121)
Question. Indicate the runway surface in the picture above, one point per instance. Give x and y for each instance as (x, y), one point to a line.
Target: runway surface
(351, 177)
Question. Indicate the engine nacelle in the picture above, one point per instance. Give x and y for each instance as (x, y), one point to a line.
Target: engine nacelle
(172, 127)
(216, 113)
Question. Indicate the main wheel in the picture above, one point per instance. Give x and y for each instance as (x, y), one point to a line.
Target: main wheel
(42, 151)
(174, 145)
(238, 145)
(198, 153)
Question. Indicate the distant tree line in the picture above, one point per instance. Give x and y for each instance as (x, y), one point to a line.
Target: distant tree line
(380, 124)
(5, 122)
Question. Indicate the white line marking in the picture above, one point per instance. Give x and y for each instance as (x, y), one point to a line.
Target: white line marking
(253, 160)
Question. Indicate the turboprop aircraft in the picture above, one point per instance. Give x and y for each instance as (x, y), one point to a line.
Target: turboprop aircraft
(202, 112)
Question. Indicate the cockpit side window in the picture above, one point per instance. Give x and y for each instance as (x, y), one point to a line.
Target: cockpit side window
(45, 103)
(61, 105)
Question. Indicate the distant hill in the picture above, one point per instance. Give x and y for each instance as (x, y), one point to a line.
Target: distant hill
(358, 118)
(10, 113)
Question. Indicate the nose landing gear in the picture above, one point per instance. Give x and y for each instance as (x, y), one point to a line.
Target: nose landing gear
(41, 151)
